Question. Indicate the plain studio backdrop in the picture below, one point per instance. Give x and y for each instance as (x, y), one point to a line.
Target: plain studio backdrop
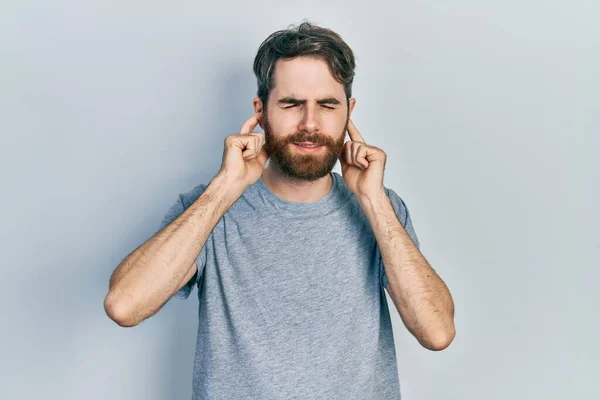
(489, 114)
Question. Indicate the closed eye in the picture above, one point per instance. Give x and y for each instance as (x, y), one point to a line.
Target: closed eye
(322, 105)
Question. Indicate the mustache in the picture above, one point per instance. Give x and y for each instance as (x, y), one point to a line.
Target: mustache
(319, 140)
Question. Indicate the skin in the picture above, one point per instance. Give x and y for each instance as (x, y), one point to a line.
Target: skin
(308, 104)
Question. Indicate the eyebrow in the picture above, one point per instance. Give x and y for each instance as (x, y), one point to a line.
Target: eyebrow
(293, 100)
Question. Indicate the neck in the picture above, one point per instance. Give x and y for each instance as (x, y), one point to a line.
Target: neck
(296, 190)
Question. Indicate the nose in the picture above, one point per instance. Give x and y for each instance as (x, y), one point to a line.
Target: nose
(310, 119)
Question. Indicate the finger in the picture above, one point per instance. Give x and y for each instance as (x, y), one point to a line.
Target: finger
(361, 156)
(252, 147)
(357, 151)
(262, 143)
(353, 132)
(248, 146)
(258, 146)
(349, 157)
(263, 156)
(342, 158)
(249, 125)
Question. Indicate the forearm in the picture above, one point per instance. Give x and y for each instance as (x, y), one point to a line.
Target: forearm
(421, 297)
(151, 274)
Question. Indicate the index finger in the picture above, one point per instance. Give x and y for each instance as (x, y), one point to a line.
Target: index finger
(249, 125)
(354, 133)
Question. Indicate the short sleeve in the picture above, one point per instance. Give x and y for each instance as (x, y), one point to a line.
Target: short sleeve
(184, 200)
(404, 217)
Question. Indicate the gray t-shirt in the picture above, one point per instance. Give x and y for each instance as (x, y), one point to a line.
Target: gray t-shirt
(291, 300)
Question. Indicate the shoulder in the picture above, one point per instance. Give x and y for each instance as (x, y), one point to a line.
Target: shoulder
(395, 197)
(399, 205)
(403, 214)
(190, 196)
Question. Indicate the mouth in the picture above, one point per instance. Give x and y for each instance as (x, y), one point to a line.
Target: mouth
(308, 146)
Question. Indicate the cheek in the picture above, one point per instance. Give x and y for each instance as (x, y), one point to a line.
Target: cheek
(334, 122)
(283, 122)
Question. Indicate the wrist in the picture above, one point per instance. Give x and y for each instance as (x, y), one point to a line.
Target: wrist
(226, 185)
(373, 200)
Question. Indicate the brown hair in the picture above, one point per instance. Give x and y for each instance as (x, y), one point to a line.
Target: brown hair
(304, 40)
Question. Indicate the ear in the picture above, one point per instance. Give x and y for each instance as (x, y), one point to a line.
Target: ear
(258, 110)
(351, 105)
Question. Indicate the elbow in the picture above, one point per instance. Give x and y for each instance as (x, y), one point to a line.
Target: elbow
(118, 311)
(439, 339)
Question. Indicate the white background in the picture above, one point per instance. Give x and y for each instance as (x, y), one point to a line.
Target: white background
(488, 111)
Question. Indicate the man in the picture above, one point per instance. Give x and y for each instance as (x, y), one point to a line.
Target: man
(291, 259)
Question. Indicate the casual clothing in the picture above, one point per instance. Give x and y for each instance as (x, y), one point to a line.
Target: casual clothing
(291, 300)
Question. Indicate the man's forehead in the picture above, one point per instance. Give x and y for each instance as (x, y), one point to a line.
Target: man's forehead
(305, 78)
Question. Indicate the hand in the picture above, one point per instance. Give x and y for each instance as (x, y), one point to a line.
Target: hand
(244, 155)
(362, 165)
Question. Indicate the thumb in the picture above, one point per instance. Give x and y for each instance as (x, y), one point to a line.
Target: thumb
(343, 162)
(263, 155)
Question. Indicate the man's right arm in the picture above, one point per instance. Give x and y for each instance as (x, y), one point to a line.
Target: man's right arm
(148, 277)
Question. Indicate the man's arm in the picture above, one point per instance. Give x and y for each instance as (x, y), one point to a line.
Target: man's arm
(148, 277)
(421, 297)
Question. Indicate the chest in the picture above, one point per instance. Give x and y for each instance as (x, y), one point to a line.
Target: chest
(297, 263)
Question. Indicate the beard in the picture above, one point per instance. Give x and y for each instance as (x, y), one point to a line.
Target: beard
(303, 166)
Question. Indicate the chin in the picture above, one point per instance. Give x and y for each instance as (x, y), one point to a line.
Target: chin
(306, 172)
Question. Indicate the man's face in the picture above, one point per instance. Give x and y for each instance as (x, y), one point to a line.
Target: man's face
(307, 105)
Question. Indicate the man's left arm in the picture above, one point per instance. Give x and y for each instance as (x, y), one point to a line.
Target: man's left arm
(421, 297)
